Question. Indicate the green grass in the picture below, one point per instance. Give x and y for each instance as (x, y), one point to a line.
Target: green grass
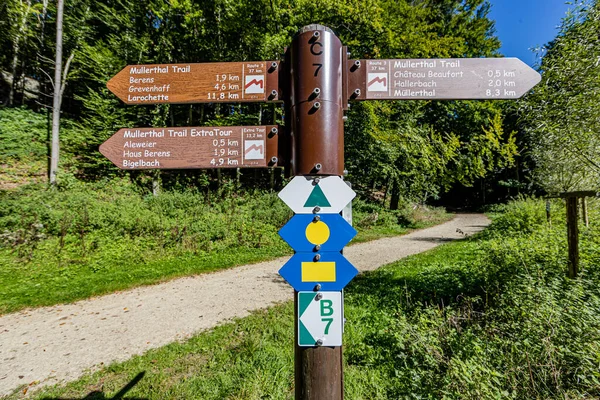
(90, 239)
(47, 282)
(486, 318)
(23, 150)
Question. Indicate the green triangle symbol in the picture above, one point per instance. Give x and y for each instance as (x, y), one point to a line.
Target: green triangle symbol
(304, 336)
(304, 300)
(317, 198)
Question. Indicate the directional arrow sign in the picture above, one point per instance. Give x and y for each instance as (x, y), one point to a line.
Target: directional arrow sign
(332, 271)
(330, 232)
(304, 193)
(441, 79)
(320, 319)
(231, 82)
(192, 147)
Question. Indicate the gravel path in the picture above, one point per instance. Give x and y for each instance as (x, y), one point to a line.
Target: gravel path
(59, 343)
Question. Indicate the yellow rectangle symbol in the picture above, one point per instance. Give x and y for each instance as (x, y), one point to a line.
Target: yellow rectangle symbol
(318, 271)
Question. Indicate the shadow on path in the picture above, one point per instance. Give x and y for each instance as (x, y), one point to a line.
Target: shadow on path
(434, 239)
(99, 395)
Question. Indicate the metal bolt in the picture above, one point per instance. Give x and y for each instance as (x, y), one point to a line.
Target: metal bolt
(345, 118)
(274, 160)
(274, 131)
(317, 257)
(356, 92)
(318, 247)
(316, 92)
(316, 209)
(316, 105)
(318, 286)
(345, 172)
(316, 181)
(273, 93)
(318, 166)
(273, 65)
(317, 218)
(357, 63)
(348, 53)
(316, 34)
(319, 296)
(319, 342)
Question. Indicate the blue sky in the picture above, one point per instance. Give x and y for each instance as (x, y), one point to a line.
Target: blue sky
(524, 24)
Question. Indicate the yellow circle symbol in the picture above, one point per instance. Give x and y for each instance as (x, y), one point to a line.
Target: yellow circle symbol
(317, 232)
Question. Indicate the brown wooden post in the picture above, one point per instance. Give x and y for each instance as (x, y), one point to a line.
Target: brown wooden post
(315, 108)
(573, 236)
(584, 213)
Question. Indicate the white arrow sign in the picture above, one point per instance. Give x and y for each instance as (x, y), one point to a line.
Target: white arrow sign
(313, 194)
(320, 319)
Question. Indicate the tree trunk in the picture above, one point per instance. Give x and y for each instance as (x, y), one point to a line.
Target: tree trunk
(395, 199)
(260, 112)
(584, 212)
(17, 48)
(57, 93)
(156, 183)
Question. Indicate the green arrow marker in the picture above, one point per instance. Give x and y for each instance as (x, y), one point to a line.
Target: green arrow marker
(304, 337)
(317, 198)
(304, 300)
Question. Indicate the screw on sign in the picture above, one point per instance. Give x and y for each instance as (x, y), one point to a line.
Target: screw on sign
(323, 232)
(314, 194)
(320, 319)
(317, 80)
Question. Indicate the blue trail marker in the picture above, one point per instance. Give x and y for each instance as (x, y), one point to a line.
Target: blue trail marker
(310, 233)
(331, 270)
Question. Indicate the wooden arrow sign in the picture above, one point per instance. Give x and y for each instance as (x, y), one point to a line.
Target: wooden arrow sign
(440, 79)
(193, 147)
(229, 82)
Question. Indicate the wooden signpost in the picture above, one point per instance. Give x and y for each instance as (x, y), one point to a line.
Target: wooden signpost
(440, 79)
(315, 81)
(193, 147)
(231, 82)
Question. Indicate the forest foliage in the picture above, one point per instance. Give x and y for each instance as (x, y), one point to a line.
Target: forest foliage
(562, 116)
(86, 239)
(411, 149)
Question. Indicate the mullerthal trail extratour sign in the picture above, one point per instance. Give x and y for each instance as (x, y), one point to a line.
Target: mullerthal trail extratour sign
(192, 147)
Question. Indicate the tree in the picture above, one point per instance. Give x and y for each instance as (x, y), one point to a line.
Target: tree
(60, 81)
(410, 149)
(562, 115)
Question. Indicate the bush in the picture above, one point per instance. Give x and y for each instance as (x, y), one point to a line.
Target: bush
(490, 318)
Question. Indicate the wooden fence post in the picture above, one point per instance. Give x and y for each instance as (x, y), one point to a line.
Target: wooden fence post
(573, 236)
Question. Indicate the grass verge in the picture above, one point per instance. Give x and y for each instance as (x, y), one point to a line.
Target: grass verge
(58, 246)
(491, 317)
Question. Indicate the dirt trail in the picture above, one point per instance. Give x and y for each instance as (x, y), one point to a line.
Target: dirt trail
(59, 343)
